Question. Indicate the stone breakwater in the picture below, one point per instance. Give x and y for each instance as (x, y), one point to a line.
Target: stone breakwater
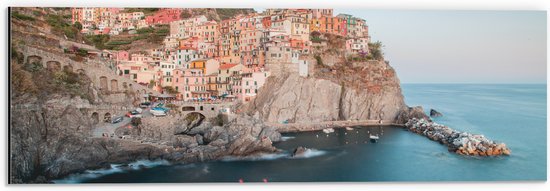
(459, 142)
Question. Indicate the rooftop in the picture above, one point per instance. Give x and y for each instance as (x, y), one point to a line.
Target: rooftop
(227, 66)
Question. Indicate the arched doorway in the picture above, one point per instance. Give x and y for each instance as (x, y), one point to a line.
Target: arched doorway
(53, 65)
(107, 117)
(68, 68)
(34, 60)
(114, 85)
(95, 118)
(81, 71)
(103, 83)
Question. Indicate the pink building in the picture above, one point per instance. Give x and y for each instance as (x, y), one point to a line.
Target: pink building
(357, 45)
(164, 16)
(250, 84)
(141, 57)
(104, 31)
(190, 83)
(122, 56)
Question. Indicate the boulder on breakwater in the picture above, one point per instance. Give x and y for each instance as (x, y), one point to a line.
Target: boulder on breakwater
(434, 113)
(459, 142)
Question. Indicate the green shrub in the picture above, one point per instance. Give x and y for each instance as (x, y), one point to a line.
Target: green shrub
(22, 17)
(115, 43)
(319, 60)
(97, 40)
(37, 13)
(82, 52)
(33, 67)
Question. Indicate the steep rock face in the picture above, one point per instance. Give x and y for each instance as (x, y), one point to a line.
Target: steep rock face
(50, 142)
(367, 92)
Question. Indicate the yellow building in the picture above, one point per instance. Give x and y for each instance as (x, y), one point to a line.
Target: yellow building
(198, 64)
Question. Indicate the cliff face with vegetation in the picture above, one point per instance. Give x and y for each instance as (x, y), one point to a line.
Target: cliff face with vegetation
(340, 88)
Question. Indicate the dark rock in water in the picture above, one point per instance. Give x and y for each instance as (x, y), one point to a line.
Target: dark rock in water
(299, 151)
(434, 113)
(411, 113)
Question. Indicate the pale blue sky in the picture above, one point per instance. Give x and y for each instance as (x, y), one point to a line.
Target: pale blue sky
(461, 46)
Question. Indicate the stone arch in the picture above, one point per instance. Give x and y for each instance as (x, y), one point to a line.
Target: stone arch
(125, 85)
(114, 85)
(201, 108)
(68, 68)
(103, 83)
(107, 117)
(144, 91)
(34, 59)
(53, 65)
(95, 118)
(188, 108)
(81, 71)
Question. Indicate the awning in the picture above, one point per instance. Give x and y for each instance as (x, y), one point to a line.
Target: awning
(165, 96)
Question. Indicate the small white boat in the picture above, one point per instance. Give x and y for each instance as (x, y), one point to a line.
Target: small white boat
(373, 138)
(158, 113)
(328, 130)
(349, 128)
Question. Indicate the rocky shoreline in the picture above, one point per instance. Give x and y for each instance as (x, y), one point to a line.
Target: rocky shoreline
(462, 143)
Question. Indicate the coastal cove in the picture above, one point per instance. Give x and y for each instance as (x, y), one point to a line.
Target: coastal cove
(514, 114)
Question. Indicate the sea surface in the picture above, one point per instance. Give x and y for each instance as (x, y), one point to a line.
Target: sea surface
(513, 114)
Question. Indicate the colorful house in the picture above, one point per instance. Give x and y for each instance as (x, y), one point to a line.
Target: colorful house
(164, 16)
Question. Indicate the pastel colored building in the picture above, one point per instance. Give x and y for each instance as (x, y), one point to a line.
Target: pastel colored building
(318, 13)
(356, 27)
(166, 69)
(182, 28)
(191, 83)
(250, 84)
(140, 72)
(299, 27)
(331, 25)
(141, 58)
(184, 55)
(225, 74)
(357, 45)
(164, 16)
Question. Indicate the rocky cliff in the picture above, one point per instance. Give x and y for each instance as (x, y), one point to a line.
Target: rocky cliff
(358, 91)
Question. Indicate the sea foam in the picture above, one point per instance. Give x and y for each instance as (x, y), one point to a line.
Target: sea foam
(115, 168)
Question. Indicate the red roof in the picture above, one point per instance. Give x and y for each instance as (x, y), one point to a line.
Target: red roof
(226, 66)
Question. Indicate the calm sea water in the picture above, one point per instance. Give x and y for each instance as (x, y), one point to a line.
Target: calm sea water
(514, 114)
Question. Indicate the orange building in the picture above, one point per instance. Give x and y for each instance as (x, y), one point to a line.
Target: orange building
(331, 25)
(198, 64)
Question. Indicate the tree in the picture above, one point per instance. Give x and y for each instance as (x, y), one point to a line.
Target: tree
(77, 25)
(151, 84)
(376, 50)
(170, 90)
(185, 15)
